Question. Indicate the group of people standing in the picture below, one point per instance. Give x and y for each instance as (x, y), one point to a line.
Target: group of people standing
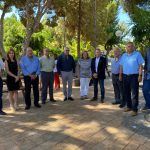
(127, 72)
(126, 75)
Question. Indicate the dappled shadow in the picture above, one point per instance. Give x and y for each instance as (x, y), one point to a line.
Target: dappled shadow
(66, 125)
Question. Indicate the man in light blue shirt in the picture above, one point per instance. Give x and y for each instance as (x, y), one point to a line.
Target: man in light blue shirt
(131, 73)
(30, 66)
(117, 84)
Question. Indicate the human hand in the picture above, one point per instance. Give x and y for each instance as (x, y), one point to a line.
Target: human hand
(120, 77)
(17, 78)
(139, 78)
(95, 75)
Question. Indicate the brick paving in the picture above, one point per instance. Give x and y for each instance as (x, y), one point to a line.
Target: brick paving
(77, 125)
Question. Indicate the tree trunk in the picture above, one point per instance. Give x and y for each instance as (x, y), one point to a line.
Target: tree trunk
(2, 35)
(79, 30)
(95, 25)
(27, 39)
(64, 32)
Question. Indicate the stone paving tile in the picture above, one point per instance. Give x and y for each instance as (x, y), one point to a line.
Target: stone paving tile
(77, 125)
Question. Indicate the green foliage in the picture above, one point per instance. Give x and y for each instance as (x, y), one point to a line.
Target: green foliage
(140, 15)
(14, 33)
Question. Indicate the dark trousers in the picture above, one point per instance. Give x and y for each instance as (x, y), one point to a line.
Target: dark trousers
(47, 79)
(146, 92)
(118, 89)
(1, 93)
(35, 84)
(101, 83)
(131, 91)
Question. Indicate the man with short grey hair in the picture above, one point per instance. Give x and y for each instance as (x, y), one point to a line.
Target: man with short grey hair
(66, 67)
(30, 67)
(47, 64)
(117, 84)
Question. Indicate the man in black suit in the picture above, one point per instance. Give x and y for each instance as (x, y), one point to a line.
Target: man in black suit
(98, 66)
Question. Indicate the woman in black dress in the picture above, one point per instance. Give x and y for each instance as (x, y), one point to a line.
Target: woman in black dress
(12, 79)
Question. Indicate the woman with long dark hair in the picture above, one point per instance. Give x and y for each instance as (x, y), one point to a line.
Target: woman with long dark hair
(13, 79)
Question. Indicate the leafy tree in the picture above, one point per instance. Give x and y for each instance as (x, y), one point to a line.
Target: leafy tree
(31, 13)
(14, 34)
(139, 12)
(5, 7)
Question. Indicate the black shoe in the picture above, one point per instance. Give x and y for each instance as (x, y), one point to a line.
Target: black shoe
(70, 98)
(115, 103)
(52, 100)
(27, 107)
(37, 105)
(144, 109)
(102, 100)
(121, 105)
(94, 99)
(65, 99)
(43, 103)
(2, 113)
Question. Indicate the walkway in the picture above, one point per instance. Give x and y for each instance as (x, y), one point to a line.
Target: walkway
(77, 125)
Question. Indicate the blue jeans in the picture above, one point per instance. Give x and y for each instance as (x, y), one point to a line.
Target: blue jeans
(146, 92)
(131, 91)
(1, 93)
(101, 83)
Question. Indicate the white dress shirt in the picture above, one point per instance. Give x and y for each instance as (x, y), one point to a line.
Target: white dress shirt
(96, 63)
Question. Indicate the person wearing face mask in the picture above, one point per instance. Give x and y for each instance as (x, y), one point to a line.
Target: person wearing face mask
(131, 74)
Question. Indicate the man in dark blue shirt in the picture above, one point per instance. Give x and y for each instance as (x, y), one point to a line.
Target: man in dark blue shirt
(146, 82)
(66, 67)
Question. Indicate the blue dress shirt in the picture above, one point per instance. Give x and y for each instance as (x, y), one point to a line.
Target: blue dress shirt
(30, 65)
(115, 65)
(131, 62)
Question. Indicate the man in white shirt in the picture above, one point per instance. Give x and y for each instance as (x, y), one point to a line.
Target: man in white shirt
(98, 67)
(1, 87)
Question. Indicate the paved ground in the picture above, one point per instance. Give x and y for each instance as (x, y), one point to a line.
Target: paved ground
(77, 125)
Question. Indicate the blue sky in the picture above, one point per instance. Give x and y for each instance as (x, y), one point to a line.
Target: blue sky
(122, 15)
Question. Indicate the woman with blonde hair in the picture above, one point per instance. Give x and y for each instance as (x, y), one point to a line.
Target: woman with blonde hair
(85, 74)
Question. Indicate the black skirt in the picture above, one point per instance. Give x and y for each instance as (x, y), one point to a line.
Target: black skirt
(11, 84)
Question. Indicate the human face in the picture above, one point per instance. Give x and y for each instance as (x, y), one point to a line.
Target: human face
(97, 53)
(46, 52)
(29, 52)
(85, 55)
(66, 51)
(130, 47)
(116, 53)
(11, 54)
